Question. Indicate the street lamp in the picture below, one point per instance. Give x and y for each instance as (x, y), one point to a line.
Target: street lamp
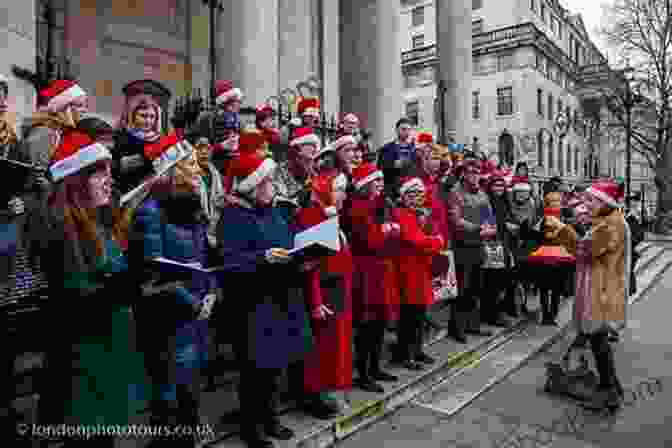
(630, 98)
(215, 6)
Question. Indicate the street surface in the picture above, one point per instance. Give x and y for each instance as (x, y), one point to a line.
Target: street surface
(517, 413)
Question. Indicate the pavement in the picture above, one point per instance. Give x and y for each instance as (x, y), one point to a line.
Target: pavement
(516, 412)
(439, 396)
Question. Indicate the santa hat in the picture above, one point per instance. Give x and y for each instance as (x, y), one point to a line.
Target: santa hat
(225, 92)
(366, 173)
(60, 93)
(424, 138)
(167, 152)
(76, 151)
(344, 140)
(608, 192)
(249, 170)
(350, 118)
(263, 112)
(409, 184)
(304, 136)
(309, 106)
(520, 183)
(251, 140)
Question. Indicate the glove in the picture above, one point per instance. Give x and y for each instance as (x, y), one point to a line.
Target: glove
(321, 312)
(277, 255)
(16, 206)
(206, 306)
(391, 229)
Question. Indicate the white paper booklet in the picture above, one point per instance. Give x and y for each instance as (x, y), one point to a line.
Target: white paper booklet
(324, 236)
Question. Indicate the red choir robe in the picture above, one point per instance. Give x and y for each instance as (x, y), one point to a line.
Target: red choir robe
(437, 205)
(415, 253)
(375, 292)
(329, 365)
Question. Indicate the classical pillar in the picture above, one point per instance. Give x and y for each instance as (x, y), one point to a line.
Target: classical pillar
(453, 37)
(370, 64)
(248, 48)
(295, 42)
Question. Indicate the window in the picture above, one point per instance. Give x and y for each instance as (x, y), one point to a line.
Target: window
(419, 76)
(568, 115)
(505, 101)
(418, 41)
(569, 160)
(560, 164)
(550, 153)
(56, 30)
(418, 16)
(559, 106)
(540, 148)
(504, 61)
(542, 10)
(476, 4)
(475, 106)
(533, 5)
(576, 160)
(552, 21)
(475, 68)
(477, 26)
(539, 61)
(560, 29)
(549, 69)
(413, 111)
(550, 106)
(540, 102)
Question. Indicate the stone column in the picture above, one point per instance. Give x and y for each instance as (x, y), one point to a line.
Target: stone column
(370, 64)
(17, 47)
(330, 46)
(295, 42)
(453, 36)
(248, 48)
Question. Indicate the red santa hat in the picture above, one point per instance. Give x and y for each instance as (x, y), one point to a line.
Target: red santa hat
(424, 138)
(262, 112)
(323, 187)
(365, 174)
(167, 152)
(304, 136)
(309, 106)
(520, 183)
(344, 140)
(497, 175)
(75, 152)
(249, 170)
(60, 93)
(410, 184)
(608, 192)
(225, 92)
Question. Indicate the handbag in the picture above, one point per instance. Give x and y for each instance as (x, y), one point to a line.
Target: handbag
(445, 283)
(494, 255)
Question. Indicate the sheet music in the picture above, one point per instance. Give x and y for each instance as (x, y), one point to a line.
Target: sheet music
(325, 234)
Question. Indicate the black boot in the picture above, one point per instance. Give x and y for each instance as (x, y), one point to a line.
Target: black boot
(608, 396)
(474, 324)
(546, 308)
(457, 325)
(375, 371)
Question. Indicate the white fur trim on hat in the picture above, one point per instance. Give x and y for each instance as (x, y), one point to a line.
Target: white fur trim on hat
(250, 182)
(370, 178)
(312, 111)
(83, 158)
(3, 79)
(344, 140)
(602, 196)
(412, 184)
(331, 211)
(234, 93)
(306, 140)
(340, 182)
(66, 97)
(179, 151)
(521, 187)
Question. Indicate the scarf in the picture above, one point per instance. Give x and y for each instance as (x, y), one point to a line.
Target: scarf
(211, 198)
(145, 135)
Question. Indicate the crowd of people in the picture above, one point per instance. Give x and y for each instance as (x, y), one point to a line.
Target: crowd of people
(149, 248)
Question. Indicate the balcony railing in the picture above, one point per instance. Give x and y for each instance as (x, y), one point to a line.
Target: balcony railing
(504, 34)
(419, 54)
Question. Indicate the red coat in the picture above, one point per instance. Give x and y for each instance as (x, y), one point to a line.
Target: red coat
(414, 260)
(329, 365)
(375, 291)
(437, 205)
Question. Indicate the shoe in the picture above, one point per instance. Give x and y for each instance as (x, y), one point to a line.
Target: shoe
(478, 332)
(499, 322)
(384, 376)
(321, 409)
(425, 358)
(458, 336)
(549, 323)
(369, 385)
(278, 431)
(413, 365)
(257, 440)
(604, 399)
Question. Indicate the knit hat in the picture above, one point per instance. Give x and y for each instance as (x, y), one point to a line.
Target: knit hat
(225, 92)
(409, 184)
(424, 138)
(344, 140)
(95, 127)
(365, 173)
(309, 106)
(304, 136)
(249, 170)
(608, 192)
(520, 183)
(60, 93)
(167, 152)
(149, 87)
(251, 140)
(76, 152)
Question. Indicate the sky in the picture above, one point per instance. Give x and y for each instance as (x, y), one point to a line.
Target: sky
(591, 11)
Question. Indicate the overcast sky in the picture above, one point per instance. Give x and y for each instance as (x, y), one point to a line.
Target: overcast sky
(591, 11)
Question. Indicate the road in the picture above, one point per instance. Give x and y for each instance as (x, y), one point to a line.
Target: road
(516, 412)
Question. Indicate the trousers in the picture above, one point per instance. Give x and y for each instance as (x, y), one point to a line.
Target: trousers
(410, 330)
(368, 347)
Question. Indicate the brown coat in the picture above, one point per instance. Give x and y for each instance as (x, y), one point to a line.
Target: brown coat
(606, 288)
